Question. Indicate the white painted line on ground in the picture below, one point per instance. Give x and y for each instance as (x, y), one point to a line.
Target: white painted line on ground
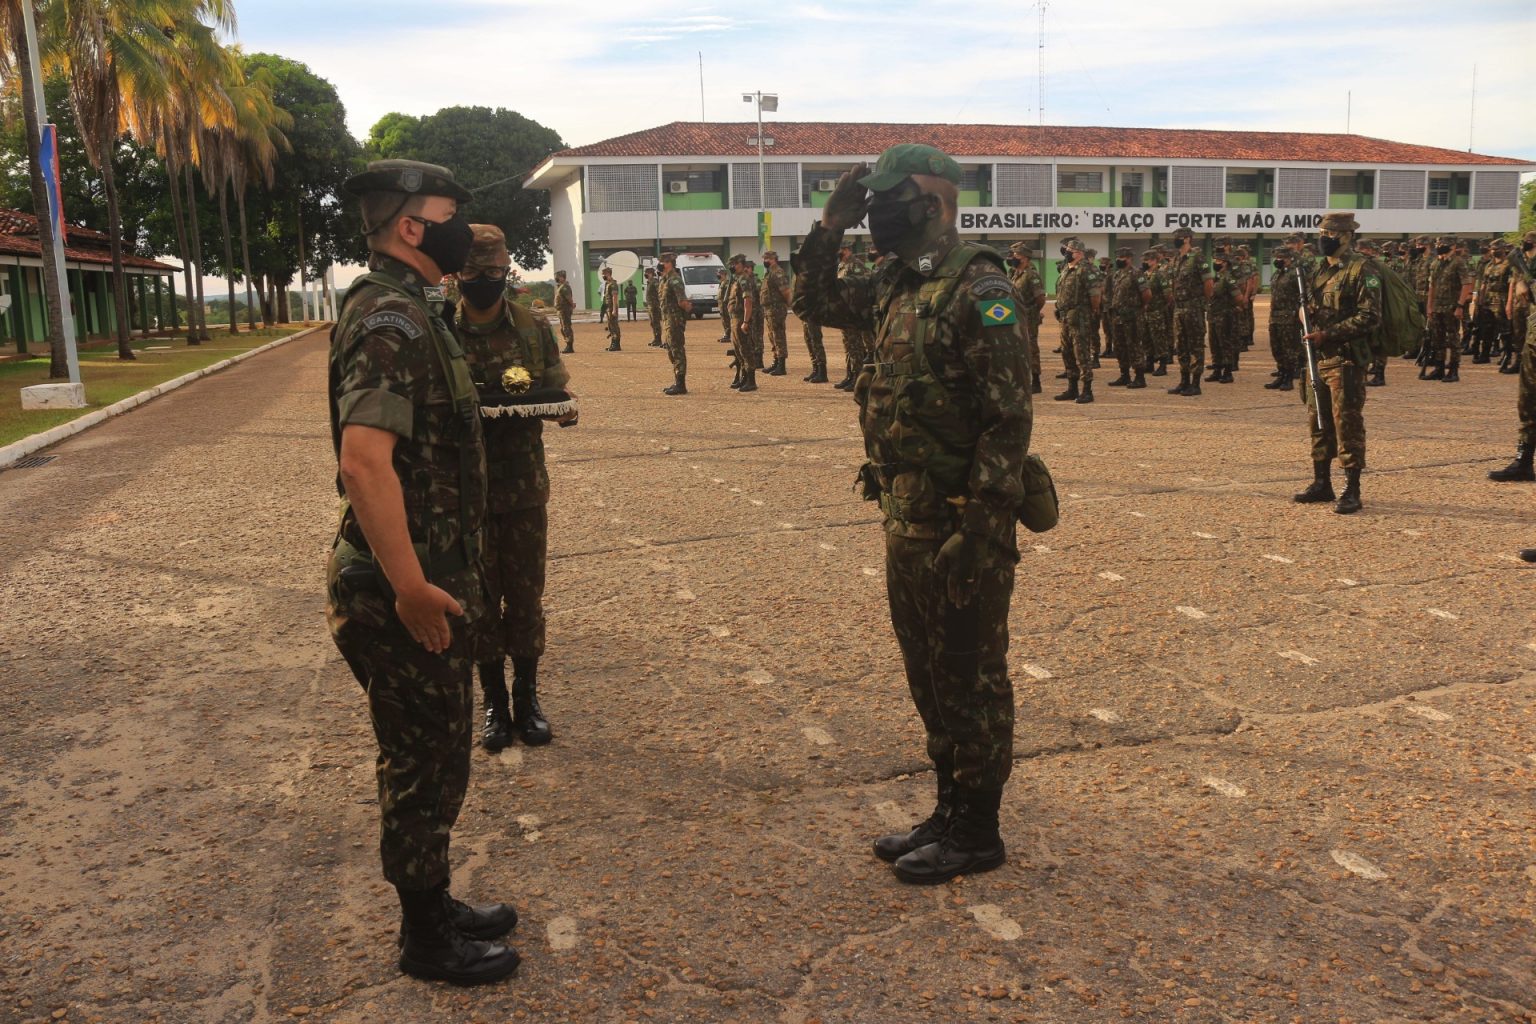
(1205, 536)
(1113, 577)
(1356, 864)
(562, 933)
(1042, 549)
(995, 923)
(1281, 559)
(1138, 515)
(870, 570)
(1305, 659)
(833, 547)
(818, 736)
(1104, 714)
(1037, 672)
(1414, 533)
(1441, 613)
(1346, 581)
(1194, 613)
(1425, 711)
(686, 595)
(719, 632)
(757, 677)
(756, 501)
(1224, 787)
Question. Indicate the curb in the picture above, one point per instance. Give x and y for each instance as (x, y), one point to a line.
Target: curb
(17, 450)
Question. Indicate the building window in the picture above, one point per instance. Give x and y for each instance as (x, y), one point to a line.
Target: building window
(1246, 183)
(781, 186)
(693, 181)
(1024, 185)
(1196, 187)
(621, 188)
(1301, 188)
(1131, 189)
(1497, 190)
(1439, 193)
(1402, 190)
(1080, 181)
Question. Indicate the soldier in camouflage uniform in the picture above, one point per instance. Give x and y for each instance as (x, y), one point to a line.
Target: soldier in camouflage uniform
(498, 334)
(773, 296)
(948, 472)
(675, 308)
(741, 299)
(1221, 316)
(1152, 317)
(1249, 279)
(1450, 289)
(1192, 284)
(653, 306)
(855, 341)
(1284, 321)
(610, 309)
(813, 344)
(1376, 374)
(1343, 302)
(1517, 304)
(1521, 282)
(411, 474)
(1491, 324)
(565, 305)
(1125, 304)
(1075, 306)
(1098, 279)
(723, 296)
(1031, 292)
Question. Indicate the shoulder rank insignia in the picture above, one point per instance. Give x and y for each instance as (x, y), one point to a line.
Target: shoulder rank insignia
(997, 312)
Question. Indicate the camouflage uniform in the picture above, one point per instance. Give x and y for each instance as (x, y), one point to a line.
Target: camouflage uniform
(396, 366)
(1448, 275)
(1221, 315)
(1344, 302)
(1248, 279)
(1031, 293)
(653, 308)
(856, 340)
(1188, 276)
(976, 356)
(1159, 316)
(722, 301)
(1074, 309)
(1125, 304)
(565, 304)
(738, 295)
(1285, 323)
(1491, 324)
(1097, 279)
(611, 312)
(813, 345)
(674, 320)
(770, 296)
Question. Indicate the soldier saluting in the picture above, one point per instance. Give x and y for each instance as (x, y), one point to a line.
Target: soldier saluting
(405, 423)
(945, 411)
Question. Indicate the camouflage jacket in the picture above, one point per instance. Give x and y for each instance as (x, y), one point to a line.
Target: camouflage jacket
(652, 294)
(1188, 275)
(396, 366)
(514, 445)
(564, 298)
(736, 295)
(1493, 292)
(1125, 292)
(770, 293)
(1344, 302)
(1224, 291)
(672, 295)
(1031, 290)
(610, 297)
(968, 404)
(1446, 279)
(1421, 270)
(1285, 298)
(1072, 289)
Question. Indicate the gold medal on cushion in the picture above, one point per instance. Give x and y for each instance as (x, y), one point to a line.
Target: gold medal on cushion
(516, 380)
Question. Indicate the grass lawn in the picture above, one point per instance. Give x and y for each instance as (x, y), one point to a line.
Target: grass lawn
(109, 379)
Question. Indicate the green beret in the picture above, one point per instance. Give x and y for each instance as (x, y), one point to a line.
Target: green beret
(900, 162)
(410, 177)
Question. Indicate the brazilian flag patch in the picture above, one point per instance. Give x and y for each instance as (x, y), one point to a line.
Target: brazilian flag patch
(997, 312)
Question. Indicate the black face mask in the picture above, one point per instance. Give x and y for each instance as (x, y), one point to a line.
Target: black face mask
(1279, 266)
(1122, 263)
(1327, 246)
(1418, 250)
(893, 224)
(1442, 249)
(1146, 266)
(482, 292)
(1528, 246)
(1014, 264)
(447, 243)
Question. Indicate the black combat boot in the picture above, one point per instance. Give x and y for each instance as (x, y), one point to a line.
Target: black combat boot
(1193, 390)
(485, 922)
(1349, 501)
(434, 949)
(1288, 382)
(497, 732)
(614, 347)
(678, 388)
(1139, 381)
(1379, 378)
(1162, 368)
(1520, 469)
(779, 369)
(1183, 383)
(1069, 395)
(846, 384)
(1321, 488)
(1278, 383)
(897, 845)
(1452, 375)
(1437, 373)
(527, 717)
(1226, 375)
(971, 844)
(1064, 375)
(748, 383)
(1121, 381)
(1034, 386)
(1087, 395)
(569, 348)
(1215, 377)
(819, 374)
(738, 377)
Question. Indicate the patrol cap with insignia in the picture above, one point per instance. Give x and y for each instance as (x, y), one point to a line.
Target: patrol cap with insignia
(770, 254)
(901, 161)
(1183, 232)
(411, 177)
(667, 257)
(738, 258)
(1075, 244)
(1340, 221)
(489, 249)
(1295, 236)
(1124, 250)
(1450, 240)
(1529, 236)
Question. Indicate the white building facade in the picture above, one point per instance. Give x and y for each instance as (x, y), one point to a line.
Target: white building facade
(696, 187)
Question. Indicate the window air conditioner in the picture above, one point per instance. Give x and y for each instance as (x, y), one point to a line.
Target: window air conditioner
(677, 187)
(826, 185)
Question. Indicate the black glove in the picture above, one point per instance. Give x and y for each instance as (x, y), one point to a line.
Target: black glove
(959, 561)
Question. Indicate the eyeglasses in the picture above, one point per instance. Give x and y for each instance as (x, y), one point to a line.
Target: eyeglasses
(488, 274)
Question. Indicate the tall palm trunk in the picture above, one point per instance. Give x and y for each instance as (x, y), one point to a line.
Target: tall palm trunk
(229, 257)
(119, 275)
(173, 172)
(245, 259)
(58, 362)
(197, 252)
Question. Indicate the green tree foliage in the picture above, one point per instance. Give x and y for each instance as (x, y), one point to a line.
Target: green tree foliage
(486, 149)
(1527, 209)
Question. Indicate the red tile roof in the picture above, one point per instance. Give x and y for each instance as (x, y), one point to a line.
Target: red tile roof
(828, 138)
(18, 237)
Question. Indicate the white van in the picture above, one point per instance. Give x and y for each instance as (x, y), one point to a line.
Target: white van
(701, 280)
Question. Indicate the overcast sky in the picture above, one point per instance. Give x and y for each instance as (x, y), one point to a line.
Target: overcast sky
(1399, 69)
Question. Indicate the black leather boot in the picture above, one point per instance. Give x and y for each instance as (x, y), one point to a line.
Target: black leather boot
(1215, 377)
(971, 844)
(897, 845)
(1321, 488)
(569, 348)
(1183, 383)
(1378, 379)
(748, 382)
(679, 388)
(1349, 501)
(1139, 381)
(1034, 387)
(1288, 382)
(1122, 380)
(434, 949)
(1193, 388)
(778, 368)
(1087, 395)
(1520, 469)
(738, 378)
(497, 732)
(527, 717)
(1452, 375)
(1527, 555)
(1069, 395)
(1278, 382)
(1436, 373)
(1162, 368)
(846, 384)
(819, 374)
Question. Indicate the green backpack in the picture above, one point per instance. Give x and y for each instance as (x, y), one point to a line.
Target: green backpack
(1402, 321)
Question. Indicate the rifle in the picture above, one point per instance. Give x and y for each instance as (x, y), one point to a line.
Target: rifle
(1306, 345)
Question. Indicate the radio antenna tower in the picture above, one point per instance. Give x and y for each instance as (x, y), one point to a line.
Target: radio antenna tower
(1040, 102)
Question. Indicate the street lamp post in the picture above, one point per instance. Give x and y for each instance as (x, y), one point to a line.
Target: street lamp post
(770, 102)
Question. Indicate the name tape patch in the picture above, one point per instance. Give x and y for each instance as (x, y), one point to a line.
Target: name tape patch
(388, 318)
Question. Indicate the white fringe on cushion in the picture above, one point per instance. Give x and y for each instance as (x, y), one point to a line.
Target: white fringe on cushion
(532, 411)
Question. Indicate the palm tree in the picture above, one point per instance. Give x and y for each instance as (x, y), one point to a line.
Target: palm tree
(257, 139)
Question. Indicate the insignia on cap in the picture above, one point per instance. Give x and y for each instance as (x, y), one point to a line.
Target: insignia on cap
(936, 164)
(410, 179)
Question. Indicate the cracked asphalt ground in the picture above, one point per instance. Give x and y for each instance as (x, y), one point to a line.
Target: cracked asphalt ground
(1273, 764)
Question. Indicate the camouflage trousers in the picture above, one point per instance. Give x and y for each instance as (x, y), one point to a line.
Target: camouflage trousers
(1245, 325)
(655, 317)
(855, 351)
(1189, 338)
(422, 708)
(1223, 331)
(1492, 328)
(1525, 403)
(1285, 345)
(1035, 320)
(566, 331)
(741, 346)
(611, 325)
(1445, 339)
(1159, 342)
(516, 545)
(727, 328)
(1128, 342)
(755, 332)
(956, 659)
(1077, 344)
(672, 337)
(777, 340)
(814, 344)
(1097, 347)
(1341, 391)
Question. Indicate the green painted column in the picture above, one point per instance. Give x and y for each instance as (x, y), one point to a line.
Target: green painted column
(1114, 186)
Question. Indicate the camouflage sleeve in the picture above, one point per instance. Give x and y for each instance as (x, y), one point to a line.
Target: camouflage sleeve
(821, 297)
(1366, 289)
(996, 356)
(382, 368)
(679, 293)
